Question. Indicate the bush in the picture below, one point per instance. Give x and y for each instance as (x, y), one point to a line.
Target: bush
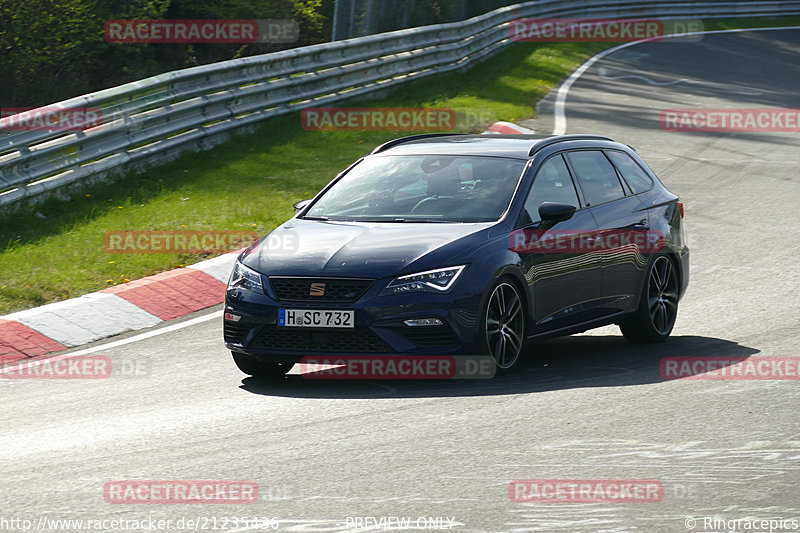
(51, 50)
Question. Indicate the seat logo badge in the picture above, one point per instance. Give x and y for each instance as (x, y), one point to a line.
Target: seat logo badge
(317, 289)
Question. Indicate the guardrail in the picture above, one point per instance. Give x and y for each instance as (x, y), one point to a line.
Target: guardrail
(155, 119)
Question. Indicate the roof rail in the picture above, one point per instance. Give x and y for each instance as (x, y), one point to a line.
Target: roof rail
(401, 140)
(558, 138)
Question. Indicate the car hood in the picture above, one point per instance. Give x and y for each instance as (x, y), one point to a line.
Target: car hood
(360, 249)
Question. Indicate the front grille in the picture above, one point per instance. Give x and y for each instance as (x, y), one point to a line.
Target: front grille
(427, 336)
(358, 340)
(336, 289)
(234, 332)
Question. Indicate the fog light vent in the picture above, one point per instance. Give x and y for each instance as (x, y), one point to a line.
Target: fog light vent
(423, 322)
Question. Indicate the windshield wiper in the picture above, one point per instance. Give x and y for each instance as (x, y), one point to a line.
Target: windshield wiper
(424, 220)
(379, 219)
(399, 219)
(315, 218)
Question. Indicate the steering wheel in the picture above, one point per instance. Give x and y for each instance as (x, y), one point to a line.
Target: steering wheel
(422, 202)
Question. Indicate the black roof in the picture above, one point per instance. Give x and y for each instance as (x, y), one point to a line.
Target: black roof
(516, 146)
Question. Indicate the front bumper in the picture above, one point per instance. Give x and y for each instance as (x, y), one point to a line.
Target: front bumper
(379, 324)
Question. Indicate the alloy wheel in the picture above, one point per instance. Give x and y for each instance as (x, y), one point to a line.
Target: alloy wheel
(505, 325)
(662, 295)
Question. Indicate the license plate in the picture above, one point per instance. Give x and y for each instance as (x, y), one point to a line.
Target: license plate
(315, 318)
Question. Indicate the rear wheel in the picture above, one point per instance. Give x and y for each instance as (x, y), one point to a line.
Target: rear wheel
(250, 365)
(658, 307)
(504, 325)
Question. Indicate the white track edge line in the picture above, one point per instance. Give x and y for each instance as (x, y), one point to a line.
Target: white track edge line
(560, 122)
(115, 344)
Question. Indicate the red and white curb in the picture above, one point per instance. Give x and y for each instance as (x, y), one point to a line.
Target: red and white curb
(508, 127)
(131, 306)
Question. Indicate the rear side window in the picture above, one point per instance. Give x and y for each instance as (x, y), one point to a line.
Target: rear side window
(636, 178)
(597, 177)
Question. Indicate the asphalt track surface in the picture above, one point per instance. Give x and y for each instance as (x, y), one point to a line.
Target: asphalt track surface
(584, 407)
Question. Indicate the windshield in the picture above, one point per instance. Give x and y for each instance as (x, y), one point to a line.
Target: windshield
(432, 188)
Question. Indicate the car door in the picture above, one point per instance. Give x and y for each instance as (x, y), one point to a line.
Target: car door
(565, 283)
(622, 221)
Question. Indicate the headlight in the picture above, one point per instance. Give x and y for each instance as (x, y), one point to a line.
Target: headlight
(439, 280)
(245, 278)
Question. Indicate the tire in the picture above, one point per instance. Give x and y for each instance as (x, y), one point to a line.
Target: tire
(503, 325)
(655, 316)
(258, 369)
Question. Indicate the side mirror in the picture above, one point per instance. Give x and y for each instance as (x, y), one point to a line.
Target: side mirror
(555, 212)
(300, 205)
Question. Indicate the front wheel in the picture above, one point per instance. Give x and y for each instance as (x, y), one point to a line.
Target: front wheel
(504, 325)
(658, 307)
(251, 366)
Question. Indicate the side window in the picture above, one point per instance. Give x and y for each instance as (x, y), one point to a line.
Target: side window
(598, 179)
(636, 178)
(552, 183)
